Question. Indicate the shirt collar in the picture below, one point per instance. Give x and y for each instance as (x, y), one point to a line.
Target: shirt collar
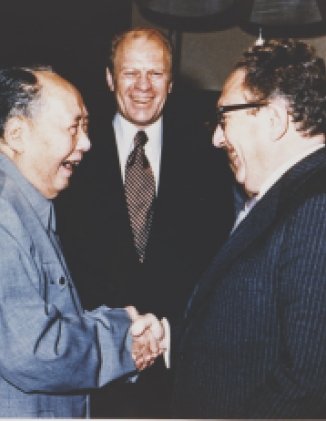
(126, 131)
(41, 205)
(124, 135)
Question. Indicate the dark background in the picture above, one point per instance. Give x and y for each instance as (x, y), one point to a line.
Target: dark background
(72, 35)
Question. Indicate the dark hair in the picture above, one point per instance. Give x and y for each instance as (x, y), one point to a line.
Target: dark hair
(290, 69)
(19, 90)
(148, 33)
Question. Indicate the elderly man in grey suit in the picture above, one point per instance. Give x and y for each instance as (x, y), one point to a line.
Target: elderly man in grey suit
(52, 351)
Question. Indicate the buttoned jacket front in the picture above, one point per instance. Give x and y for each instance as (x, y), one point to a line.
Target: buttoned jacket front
(52, 351)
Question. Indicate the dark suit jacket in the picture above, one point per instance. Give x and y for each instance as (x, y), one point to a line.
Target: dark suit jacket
(193, 214)
(253, 342)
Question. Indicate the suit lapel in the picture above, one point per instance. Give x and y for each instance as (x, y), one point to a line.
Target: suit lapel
(283, 196)
(165, 194)
(115, 199)
(257, 222)
(108, 160)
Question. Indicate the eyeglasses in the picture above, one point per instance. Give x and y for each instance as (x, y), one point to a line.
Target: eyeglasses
(220, 111)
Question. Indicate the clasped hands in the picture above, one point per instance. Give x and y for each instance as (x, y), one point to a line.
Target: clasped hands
(150, 337)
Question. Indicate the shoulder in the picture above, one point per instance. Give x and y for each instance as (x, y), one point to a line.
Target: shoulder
(305, 183)
(15, 212)
(12, 227)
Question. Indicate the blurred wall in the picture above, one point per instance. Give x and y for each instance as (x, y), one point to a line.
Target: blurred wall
(207, 57)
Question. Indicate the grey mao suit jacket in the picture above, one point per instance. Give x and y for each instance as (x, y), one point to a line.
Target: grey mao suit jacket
(51, 350)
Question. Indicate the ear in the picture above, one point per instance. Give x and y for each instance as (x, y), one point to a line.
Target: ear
(279, 118)
(109, 79)
(14, 134)
(170, 87)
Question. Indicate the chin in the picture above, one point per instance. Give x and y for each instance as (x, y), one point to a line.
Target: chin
(144, 118)
(64, 185)
(142, 123)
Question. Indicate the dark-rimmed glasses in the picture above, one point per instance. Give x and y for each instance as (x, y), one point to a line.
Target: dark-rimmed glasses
(220, 111)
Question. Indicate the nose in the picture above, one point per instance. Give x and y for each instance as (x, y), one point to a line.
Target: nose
(84, 143)
(218, 137)
(143, 81)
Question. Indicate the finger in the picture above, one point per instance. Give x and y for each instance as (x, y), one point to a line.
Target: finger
(141, 324)
(144, 322)
(141, 364)
(146, 347)
(156, 328)
(142, 358)
(152, 345)
(146, 344)
(132, 312)
(143, 361)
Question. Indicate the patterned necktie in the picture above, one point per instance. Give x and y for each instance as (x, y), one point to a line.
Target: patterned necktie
(140, 193)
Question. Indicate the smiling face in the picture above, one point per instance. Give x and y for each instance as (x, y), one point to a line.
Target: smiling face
(245, 135)
(55, 138)
(141, 79)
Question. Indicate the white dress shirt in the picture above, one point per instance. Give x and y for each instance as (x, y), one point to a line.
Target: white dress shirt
(125, 133)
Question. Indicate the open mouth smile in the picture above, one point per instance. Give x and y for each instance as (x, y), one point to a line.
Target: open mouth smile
(71, 164)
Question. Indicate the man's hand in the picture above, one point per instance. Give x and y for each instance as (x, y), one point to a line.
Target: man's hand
(148, 338)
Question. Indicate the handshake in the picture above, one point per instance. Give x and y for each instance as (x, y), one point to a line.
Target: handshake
(151, 338)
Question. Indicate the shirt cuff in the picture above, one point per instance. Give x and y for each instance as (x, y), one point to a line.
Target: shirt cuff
(167, 342)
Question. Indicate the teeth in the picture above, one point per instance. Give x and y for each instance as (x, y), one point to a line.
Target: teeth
(142, 100)
(70, 164)
(233, 157)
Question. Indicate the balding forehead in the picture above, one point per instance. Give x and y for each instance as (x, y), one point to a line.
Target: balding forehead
(57, 90)
(134, 39)
(51, 80)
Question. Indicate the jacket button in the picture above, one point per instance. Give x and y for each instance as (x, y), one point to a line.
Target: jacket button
(62, 280)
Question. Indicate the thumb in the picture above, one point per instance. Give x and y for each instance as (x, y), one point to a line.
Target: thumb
(150, 322)
(139, 326)
(132, 312)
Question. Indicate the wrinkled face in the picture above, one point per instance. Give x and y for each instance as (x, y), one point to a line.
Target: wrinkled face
(141, 80)
(55, 138)
(244, 135)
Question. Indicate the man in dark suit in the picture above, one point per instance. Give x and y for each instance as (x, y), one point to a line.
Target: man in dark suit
(192, 210)
(253, 340)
